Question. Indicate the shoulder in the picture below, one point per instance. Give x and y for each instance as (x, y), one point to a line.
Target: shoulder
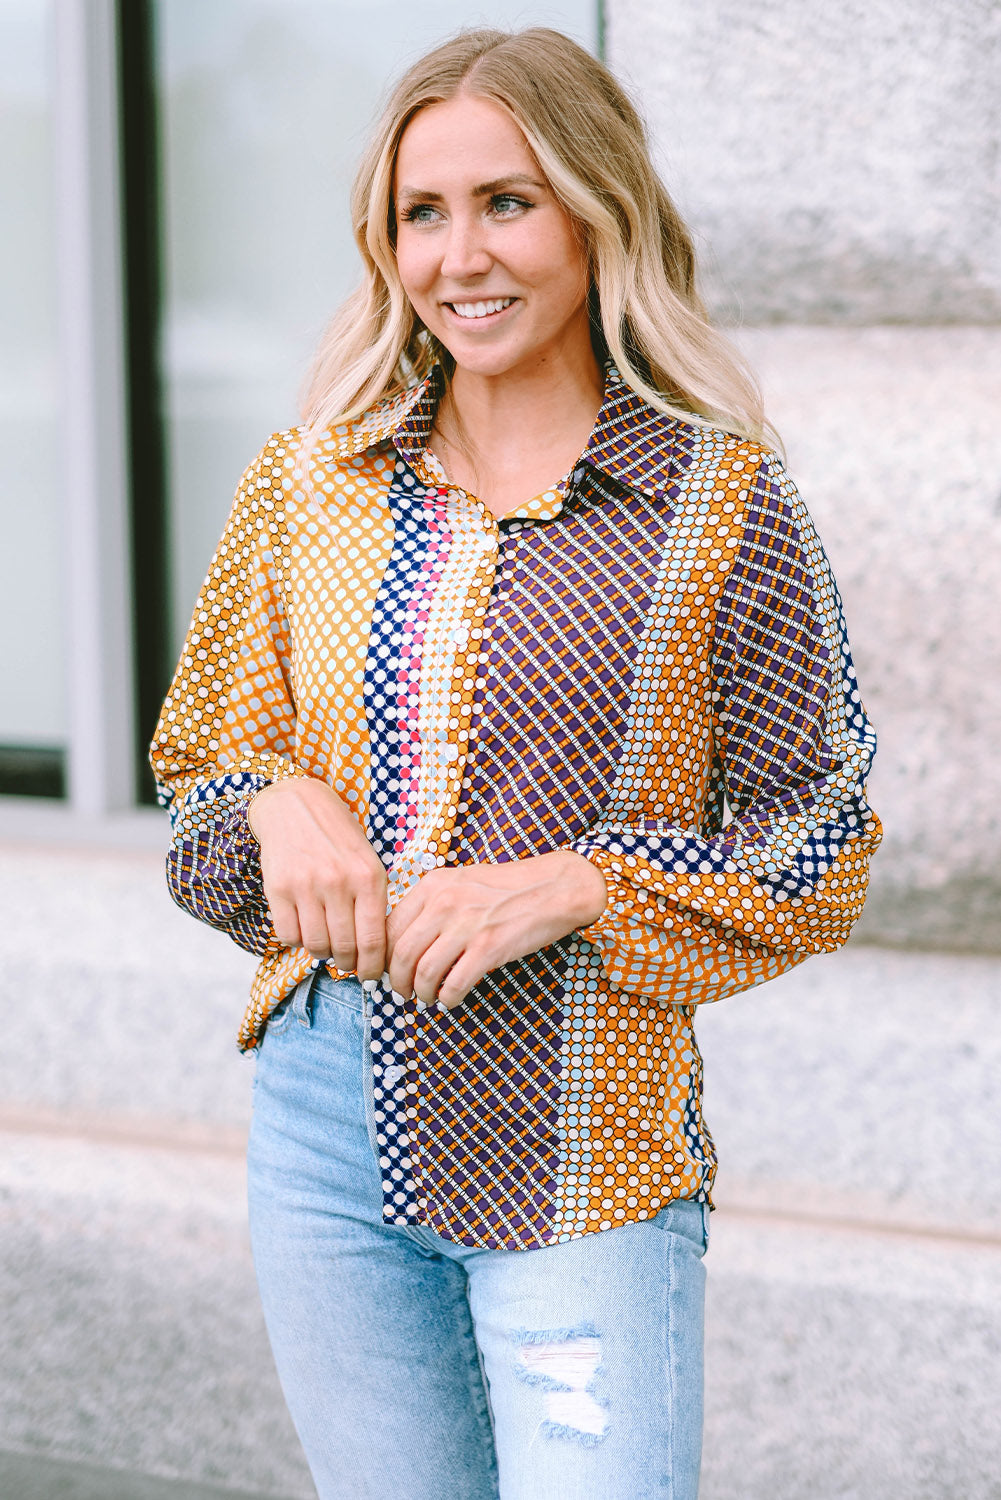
(752, 474)
(275, 463)
(295, 454)
(713, 454)
(300, 453)
(371, 428)
(260, 498)
(667, 454)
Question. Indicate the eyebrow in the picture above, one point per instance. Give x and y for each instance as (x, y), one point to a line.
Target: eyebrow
(483, 190)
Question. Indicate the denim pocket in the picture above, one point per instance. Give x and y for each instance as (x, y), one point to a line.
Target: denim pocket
(347, 992)
(281, 1017)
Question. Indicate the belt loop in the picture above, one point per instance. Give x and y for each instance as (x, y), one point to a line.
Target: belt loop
(301, 1008)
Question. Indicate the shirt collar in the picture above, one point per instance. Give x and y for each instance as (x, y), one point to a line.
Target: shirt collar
(631, 442)
(634, 444)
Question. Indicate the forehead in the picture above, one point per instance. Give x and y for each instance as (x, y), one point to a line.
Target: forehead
(461, 141)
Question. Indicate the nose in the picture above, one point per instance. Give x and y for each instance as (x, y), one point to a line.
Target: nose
(466, 254)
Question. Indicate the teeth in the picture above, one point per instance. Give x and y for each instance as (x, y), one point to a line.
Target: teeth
(481, 309)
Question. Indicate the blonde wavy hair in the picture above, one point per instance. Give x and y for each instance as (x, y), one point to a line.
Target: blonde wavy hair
(591, 145)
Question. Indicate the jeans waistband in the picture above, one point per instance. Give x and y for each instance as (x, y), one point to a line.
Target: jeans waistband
(346, 991)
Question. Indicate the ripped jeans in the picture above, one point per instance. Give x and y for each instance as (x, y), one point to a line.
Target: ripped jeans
(419, 1369)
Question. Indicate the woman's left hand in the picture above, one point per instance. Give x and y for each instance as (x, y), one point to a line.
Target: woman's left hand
(458, 924)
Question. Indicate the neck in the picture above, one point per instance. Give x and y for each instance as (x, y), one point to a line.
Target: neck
(523, 411)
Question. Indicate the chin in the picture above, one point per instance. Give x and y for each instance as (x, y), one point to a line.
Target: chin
(484, 361)
(486, 368)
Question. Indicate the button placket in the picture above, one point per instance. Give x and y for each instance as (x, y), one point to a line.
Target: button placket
(476, 533)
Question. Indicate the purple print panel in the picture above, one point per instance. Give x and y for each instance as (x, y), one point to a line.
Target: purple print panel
(556, 673)
(488, 1110)
(773, 663)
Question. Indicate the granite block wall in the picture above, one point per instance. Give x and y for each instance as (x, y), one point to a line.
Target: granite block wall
(841, 168)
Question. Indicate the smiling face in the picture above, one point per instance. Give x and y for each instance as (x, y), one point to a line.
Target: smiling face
(485, 252)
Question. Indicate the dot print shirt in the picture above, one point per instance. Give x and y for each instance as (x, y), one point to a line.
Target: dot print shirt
(646, 664)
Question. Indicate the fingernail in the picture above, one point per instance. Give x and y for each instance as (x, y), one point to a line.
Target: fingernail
(400, 999)
(420, 1004)
(440, 1005)
(370, 985)
(387, 981)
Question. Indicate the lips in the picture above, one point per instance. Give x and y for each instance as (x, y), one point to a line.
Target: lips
(474, 310)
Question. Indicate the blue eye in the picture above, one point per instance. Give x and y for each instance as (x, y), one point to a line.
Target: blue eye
(502, 205)
(419, 213)
(505, 203)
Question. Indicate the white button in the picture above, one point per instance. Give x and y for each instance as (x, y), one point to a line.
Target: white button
(428, 861)
(392, 1074)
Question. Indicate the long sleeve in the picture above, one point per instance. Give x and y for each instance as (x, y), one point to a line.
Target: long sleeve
(696, 914)
(227, 727)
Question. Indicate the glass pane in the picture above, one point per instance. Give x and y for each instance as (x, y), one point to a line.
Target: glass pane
(32, 708)
(264, 107)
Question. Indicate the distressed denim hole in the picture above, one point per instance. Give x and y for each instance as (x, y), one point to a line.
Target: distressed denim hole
(564, 1368)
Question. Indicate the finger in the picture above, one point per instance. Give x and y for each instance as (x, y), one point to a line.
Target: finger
(340, 926)
(285, 921)
(403, 915)
(312, 921)
(434, 964)
(370, 934)
(463, 976)
(408, 950)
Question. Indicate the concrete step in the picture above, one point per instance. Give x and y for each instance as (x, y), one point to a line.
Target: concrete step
(133, 1337)
(848, 1364)
(864, 1083)
(842, 1361)
(25, 1476)
(870, 1073)
(854, 1344)
(115, 1002)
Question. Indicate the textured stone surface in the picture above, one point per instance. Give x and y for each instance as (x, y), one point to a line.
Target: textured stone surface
(840, 162)
(855, 1267)
(848, 1366)
(132, 1331)
(894, 437)
(862, 1085)
(26, 1476)
(840, 1362)
(114, 1000)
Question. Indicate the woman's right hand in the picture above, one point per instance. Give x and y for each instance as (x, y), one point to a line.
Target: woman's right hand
(324, 883)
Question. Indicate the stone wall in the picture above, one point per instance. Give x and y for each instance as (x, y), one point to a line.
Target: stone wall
(841, 161)
(841, 167)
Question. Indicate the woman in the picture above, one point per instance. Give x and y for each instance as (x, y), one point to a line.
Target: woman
(525, 640)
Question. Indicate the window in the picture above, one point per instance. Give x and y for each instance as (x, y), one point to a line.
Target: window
(191, 166)
(32, 698)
